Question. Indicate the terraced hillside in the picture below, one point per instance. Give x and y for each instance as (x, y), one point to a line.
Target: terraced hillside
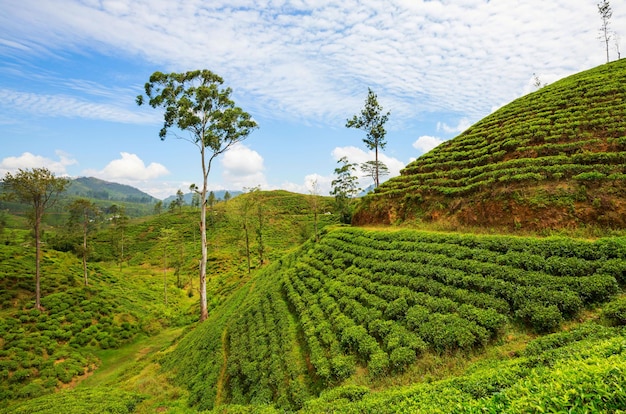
(373, 304)
(551, 159)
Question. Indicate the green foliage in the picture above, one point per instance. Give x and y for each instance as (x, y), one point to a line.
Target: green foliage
(615, 311)
(100, 400)
(582, 370)
(375, 302)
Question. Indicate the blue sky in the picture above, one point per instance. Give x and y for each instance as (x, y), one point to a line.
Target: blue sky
(70, 70)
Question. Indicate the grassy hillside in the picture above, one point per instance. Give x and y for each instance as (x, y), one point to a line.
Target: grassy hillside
(551, 159)
(149, 292)
(374, 307)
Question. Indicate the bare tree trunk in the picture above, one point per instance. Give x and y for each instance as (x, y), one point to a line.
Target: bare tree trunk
(204, 312)
(245, 229)
(377, 180)
(85, 247)
(165, 273)
(37, 259)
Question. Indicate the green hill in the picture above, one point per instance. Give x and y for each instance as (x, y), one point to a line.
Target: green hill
(146, 296)
(551, 159)
(94, 188)
(373, 307)
(103, 193)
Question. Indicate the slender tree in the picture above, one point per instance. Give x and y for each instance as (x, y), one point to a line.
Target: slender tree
(260, 216)
(180, 200)
(372, 121)
(196, 105)
(344, 188)
(226, 196)
(83, 215)
(119, 220)
(605, 11)
(40, 188)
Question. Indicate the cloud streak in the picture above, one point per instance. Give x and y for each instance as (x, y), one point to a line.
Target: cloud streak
(313, 61)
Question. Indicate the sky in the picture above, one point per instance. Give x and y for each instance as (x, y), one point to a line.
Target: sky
(70, 71)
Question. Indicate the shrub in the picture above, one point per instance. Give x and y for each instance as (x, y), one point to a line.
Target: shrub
(615, 312)
(378, 363)
(540, 317)
(597, 288)
(342, 366)
(401, 357)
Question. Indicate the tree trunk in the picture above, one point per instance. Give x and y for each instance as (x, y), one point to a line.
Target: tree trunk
(204, 312)
(37, 259)
(85, 248)
(165, 273)
(376, 182)
(245, 228)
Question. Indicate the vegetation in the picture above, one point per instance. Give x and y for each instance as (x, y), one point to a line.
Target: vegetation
(39, 188)
(551, 159)
(305, 314)
(68, 341)
(373, 303)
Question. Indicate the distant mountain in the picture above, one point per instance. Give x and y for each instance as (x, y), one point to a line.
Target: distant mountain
(219, 195)
(95, 188)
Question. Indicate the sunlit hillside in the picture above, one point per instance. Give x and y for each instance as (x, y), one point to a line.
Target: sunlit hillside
(551, 159)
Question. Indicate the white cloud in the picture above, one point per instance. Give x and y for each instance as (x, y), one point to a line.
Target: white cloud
(129, 169)
(425, 143)
(29, 161)
(312, 60)
(243, 167)
(463, 124)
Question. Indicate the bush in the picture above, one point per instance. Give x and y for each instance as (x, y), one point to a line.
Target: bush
(597, 288)
(378, 363)
(540, 317)
(615, 312)
(401, 357)
(342, 366)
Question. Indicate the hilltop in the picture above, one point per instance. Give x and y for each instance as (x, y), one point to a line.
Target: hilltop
(551, 159)
(95, 188)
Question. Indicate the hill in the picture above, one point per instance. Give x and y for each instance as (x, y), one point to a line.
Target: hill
(103, 193)
(94, 188)
(551, 159)
(142, 293)
(373, 307)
